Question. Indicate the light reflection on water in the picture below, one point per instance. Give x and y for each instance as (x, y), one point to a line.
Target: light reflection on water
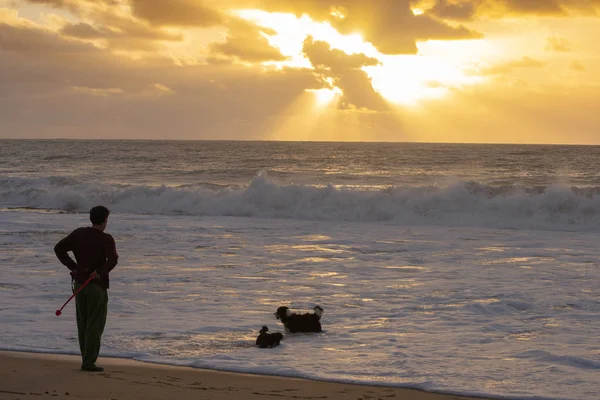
(184, 346)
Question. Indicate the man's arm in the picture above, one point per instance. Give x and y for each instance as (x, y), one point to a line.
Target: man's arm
(61, 250)
(111, 257)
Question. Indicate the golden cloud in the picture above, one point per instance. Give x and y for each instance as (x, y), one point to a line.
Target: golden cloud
(472, 9)
(29, 39)
(558, 44)
(344, 70)
(577, 66)
(133, 36)
(509, 67)
(322, 56)
(245, 42)
(446, 9)
(176, 12)
(526, 62)
(110, 23)
(77, 6)
(390, 25)
(63, 87)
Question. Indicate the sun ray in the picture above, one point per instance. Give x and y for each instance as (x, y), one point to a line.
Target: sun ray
(312, 116)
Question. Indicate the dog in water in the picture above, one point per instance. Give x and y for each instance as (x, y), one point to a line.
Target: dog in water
(309, 322)
(268, 340)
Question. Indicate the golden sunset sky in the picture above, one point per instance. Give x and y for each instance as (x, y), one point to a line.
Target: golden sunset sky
(492, 71)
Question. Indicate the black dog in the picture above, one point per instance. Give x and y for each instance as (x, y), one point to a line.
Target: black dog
(268, 340)
(309, 322)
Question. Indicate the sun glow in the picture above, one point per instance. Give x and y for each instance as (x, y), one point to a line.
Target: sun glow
(292, 31)
(401, 79)
(406, 80)
(325, 97)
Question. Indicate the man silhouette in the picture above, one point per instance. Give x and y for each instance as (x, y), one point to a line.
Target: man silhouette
(95, 255)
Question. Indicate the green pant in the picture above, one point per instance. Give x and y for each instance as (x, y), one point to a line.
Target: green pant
(91, 305)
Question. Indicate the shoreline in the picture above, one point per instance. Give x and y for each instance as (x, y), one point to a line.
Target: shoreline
(26, 375)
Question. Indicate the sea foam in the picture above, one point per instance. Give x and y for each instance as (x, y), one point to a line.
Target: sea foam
(463, 203)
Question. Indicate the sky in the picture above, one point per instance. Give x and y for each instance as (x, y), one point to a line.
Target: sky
(475, 71)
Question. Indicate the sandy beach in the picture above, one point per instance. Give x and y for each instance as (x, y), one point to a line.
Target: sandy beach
(30, 375)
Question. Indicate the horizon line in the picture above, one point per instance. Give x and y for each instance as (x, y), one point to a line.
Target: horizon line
(298, 141)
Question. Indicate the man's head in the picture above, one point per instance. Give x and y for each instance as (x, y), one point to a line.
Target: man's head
(99, 217)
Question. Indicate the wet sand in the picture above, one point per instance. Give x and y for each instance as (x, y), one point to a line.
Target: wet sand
(31, 375)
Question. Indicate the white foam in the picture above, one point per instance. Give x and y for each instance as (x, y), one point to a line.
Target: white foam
(460, 204)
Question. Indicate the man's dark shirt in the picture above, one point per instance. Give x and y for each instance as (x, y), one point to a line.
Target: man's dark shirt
(94, 250)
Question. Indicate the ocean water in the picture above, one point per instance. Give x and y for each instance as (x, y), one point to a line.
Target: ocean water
(468, 269)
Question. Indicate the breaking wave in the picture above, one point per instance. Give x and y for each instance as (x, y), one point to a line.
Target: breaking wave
(460, 204)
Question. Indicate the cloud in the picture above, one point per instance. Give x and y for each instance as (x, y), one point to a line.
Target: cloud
(473, 9)
(26, 38)
(176, 12)
(71, 5)
(508, 67)
(132, 36)
(188, 13)
(390, 25)
(345, 72)
(77, 7)
(446, 9)
(150, 91)
(558, 44)
(111, 22)
(537, 7)
(53, 3)
(526, 62)
(38, 62)
(84, 30)
(104, 92)
(322, 56)
(577, 66)
(54, 86)
(245, 42)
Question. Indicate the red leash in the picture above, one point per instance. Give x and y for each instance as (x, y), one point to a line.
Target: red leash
(58, 312)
